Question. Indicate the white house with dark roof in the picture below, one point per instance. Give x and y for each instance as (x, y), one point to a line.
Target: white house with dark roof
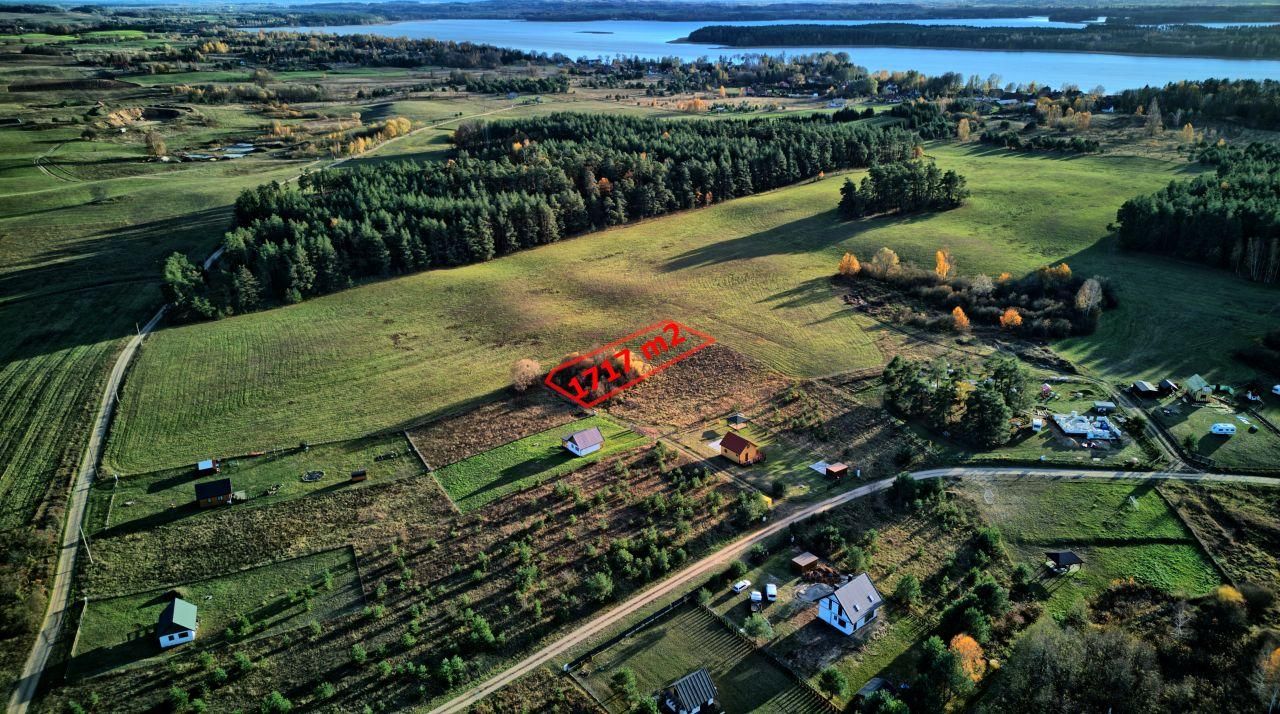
(581, 443)
(852, 606)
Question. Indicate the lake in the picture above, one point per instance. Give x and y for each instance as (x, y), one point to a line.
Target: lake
(650, 39)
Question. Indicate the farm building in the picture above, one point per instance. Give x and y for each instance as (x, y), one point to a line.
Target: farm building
(208, 467)
(177, 623)
(1168, 386)
(1104, 407)
(739, 450)
(1086, 427)
(1198, 390)
(851, 607)
(581, 443)
(1145, 389)
(837, 471)
(693, 693)
(804, 562)
(213, 493)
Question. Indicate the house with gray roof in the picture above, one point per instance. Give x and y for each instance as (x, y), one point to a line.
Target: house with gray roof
(853, 606)
(177, 623)
(693, 693)
(581, 443)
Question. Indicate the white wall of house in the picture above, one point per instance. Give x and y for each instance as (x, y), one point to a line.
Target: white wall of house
(830, 612)
(581, 452)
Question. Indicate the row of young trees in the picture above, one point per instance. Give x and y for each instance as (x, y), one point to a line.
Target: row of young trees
(486, 84)
(904, 187)
(1229, 219)
(1040, 142)
(513, 185)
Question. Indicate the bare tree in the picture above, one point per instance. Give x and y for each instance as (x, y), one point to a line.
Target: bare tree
(525, 373)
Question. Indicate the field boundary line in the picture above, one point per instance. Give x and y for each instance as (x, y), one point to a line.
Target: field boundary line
(1177, 510)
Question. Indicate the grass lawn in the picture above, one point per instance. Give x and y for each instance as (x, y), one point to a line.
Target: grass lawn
(785, 461)
(688, 640)
(473, 482)
(1260, 449)
(146, 500)
(119, 631)
(1117, 538)
(752, 272)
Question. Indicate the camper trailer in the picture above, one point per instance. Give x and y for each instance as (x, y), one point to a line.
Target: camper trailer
(1223, 429)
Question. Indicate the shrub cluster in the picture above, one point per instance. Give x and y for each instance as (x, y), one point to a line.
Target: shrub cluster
(1042, 142)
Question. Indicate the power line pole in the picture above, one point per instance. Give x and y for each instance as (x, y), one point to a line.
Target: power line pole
(85, 539)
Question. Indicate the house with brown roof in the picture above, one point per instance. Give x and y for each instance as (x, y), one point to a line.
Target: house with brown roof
(739, 450)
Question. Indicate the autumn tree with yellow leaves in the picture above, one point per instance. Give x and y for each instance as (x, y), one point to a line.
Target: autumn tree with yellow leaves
(849, 265)
(970, 655)
(944, 264)
(959, 320)
(1011, 319)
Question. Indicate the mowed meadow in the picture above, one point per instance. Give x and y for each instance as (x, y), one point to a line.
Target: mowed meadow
(753, 272)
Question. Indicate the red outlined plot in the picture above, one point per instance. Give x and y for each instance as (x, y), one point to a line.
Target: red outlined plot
(589, 379)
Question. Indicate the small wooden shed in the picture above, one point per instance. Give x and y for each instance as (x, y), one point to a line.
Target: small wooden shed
(358, 476)
(837, 470)
(213, 493)
(804, 562)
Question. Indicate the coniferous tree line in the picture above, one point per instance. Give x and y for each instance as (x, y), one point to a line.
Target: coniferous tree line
(904, 187)
(1229, 219)
(1247, 101)
(1010, 139)
(1178, 40)
(946, 395)
(512, 185)
(558, 84)
(925, 118)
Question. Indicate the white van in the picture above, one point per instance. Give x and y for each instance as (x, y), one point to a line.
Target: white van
(771, 592)
(1223, 429)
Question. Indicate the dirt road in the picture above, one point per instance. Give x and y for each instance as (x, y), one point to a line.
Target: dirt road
(60, 593)
(698, 572)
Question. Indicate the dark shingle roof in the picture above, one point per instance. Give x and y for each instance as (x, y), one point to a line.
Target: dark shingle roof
(1063, 558)
(859, 595)
(178, 615)
(586, 438)
(693, 689)
(734, 444)
(212, 489)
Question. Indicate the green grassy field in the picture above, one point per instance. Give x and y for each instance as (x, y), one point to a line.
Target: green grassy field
(1260, 449)
(119, 631)
(483, 478)
(753, 273)
(1143, 539)
(691, 639)
(144, 501)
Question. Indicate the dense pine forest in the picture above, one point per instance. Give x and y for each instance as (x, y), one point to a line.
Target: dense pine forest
(1177, 40)
(1229, 219)
(902, 187)
(512, 185)
(1247, 101)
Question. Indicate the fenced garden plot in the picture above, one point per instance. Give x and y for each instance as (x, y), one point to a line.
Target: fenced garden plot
(119, 631)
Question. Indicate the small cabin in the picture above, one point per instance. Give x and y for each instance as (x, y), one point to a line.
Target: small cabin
(693, 693)
(1198, 390)
(1062, 561)
(1104, 407)
(837, 471)
(177, 623)
(804, 563)
(581, 443)
(360, 475)
(208, 467)
(740, 450)
(213, 493)
(853, 606)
